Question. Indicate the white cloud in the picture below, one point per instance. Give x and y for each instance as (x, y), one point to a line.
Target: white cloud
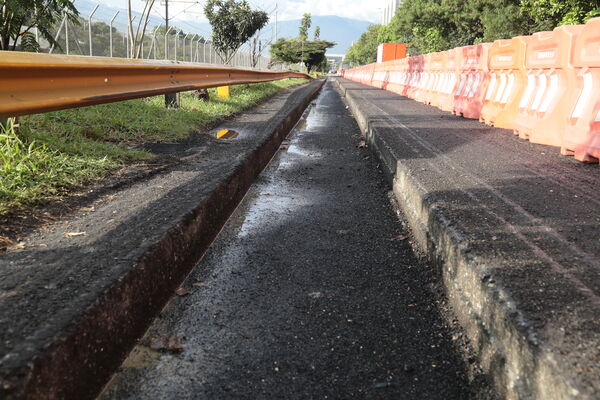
(367, 10)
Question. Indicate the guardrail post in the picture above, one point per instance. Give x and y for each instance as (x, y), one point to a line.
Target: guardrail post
(172, 100)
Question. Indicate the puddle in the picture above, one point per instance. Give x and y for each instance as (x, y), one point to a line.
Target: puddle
(291, 147)
(226, 134)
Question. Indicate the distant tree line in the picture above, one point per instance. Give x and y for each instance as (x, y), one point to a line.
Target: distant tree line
(436, 25)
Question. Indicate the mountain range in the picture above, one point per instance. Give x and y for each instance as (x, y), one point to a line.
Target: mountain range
(341, 30)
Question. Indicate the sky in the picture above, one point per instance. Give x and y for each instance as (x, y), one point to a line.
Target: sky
(366, 10)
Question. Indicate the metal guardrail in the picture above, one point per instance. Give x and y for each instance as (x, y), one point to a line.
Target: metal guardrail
(33, 83)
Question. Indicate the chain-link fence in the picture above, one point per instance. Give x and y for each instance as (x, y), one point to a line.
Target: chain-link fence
(110, 38)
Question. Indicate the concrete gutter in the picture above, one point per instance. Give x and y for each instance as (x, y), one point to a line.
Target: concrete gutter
(73, 306)
(512, 229)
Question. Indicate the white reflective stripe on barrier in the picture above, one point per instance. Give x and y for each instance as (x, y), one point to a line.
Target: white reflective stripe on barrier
(442, 85)
(451, 84)
(447, 80)
(509, 88)
(424, 80)
(440, 82)
(432, 82)
(467, 87)
(541, 90)
(508, 91)
(501, 88)
(491, 88)
(552, 93)
(475, 85)
(461, 85)
(529, 90)
(436, 80)
(585, 95)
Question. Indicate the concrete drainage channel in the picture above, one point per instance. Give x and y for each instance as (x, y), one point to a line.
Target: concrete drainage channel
(75, 347)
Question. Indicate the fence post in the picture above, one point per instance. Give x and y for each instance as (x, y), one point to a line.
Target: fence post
(176, 40)
(90, 26)
(67, 35)
(110, 32)
(58, 33)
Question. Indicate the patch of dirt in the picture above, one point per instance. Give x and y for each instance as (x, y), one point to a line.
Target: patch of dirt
(16, 225)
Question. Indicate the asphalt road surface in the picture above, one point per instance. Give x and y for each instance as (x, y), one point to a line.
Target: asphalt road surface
(311, 291)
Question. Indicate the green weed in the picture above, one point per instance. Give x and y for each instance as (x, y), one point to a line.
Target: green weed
(57, 151)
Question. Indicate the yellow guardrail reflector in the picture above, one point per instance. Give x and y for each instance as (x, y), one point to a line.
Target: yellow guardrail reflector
(223, 92)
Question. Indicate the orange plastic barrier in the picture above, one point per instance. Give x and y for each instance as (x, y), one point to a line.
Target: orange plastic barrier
(397, 76)
(415, 70)
(545, 103)
(438, 69)
(507, 82)
(363, 74)
(474, 78)
(450, 81)
(546, 87)
(582, 133)
(381, 75)
(425, 81)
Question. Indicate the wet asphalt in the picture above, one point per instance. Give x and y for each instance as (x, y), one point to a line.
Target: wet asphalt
(311, 291)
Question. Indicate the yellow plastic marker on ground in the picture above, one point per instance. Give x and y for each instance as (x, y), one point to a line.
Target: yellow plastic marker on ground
(222, 133)
(223, 92)
(227, 134)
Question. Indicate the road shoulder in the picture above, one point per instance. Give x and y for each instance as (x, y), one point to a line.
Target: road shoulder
(510, 226)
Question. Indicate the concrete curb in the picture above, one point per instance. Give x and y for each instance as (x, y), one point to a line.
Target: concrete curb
(507, 345)
(80, 361)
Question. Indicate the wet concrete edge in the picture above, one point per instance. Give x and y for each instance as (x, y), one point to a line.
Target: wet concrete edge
(85, 357)
(519, 366)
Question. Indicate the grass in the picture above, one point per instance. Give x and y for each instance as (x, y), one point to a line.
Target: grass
(61, 150)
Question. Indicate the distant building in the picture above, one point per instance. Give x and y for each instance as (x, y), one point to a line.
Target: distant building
(389, 10)
(335, 60)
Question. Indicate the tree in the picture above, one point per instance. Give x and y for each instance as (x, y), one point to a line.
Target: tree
(233, 23)
(304, 26)
(436, 25)
(364, 50)
(256, 48)
(18, 18)
(311, 53)
(548, 14)
(137, 39)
